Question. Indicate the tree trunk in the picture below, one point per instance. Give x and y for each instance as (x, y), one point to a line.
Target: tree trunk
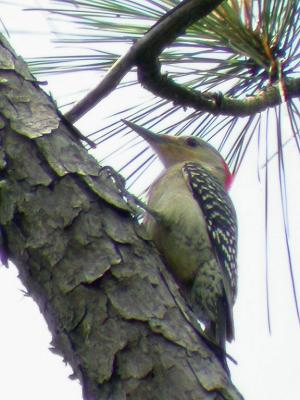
(115, 313)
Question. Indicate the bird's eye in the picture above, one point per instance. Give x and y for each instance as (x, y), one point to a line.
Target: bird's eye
(192, 142)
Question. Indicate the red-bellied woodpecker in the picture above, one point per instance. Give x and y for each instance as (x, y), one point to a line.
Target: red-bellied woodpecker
(194, 226)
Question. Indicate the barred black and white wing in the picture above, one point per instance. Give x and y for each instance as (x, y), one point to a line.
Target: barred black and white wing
(220, 216)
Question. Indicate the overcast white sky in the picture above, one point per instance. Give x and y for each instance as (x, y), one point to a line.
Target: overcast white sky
(268, 366)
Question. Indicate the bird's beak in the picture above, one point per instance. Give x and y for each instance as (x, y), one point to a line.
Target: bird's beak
(150, 137)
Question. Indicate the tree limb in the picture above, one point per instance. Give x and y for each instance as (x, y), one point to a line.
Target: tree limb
(115, 313)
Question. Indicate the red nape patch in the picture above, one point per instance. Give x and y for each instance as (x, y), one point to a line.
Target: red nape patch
(228, 177)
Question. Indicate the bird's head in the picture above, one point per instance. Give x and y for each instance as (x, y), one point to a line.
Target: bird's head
(172, 150)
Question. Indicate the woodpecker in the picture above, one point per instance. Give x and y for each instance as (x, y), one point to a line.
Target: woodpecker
(192, 221)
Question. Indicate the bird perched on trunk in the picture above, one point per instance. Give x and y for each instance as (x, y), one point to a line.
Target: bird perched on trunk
(193, 224)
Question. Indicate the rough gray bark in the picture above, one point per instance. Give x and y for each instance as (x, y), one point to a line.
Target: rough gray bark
(114, 312)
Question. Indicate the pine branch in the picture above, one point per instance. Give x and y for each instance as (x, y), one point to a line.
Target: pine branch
(157, 38)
